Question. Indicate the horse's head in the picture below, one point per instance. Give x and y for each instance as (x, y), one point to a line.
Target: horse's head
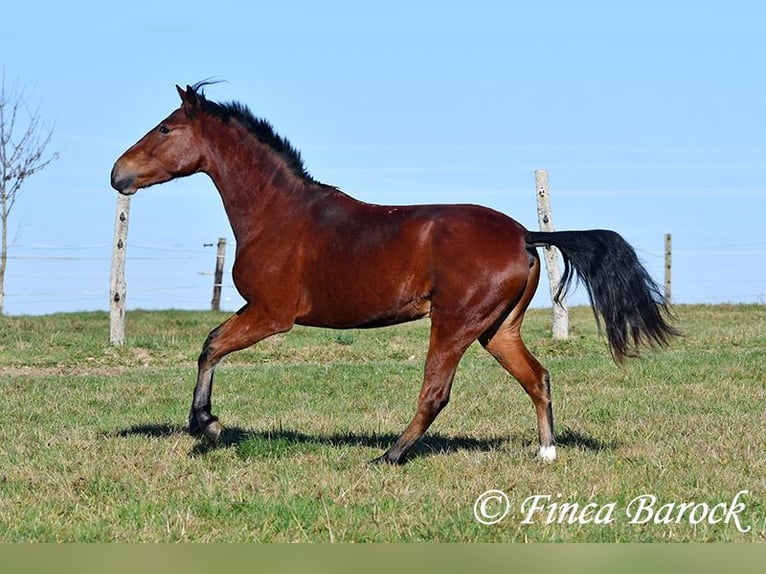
(168, 151)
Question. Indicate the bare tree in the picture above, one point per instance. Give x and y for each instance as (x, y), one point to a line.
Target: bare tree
(23, 143)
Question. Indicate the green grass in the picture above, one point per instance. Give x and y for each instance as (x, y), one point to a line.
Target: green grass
(92, 446)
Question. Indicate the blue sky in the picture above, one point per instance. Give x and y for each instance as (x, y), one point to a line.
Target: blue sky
(649, 117)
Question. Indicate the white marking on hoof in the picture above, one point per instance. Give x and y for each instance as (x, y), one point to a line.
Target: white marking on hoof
(547, 453)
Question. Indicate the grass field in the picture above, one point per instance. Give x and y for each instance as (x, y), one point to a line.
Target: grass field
(92, 446)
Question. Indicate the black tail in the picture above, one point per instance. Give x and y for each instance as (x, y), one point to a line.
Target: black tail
(621, 291)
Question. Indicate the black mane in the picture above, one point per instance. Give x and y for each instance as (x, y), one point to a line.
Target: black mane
(259, 127)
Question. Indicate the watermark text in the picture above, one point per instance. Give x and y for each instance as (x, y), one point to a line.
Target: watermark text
(494, 506)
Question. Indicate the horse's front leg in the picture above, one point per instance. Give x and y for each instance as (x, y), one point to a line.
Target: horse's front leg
(240, 331)
(201, 419)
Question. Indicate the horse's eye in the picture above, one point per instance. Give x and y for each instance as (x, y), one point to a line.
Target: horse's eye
(164, 130)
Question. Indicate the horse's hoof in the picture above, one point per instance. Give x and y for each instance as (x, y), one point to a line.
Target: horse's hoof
(386, 458)
(193, 429)
(547, 453)
(213, 431)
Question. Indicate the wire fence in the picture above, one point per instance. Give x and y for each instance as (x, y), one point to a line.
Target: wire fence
(44, 279)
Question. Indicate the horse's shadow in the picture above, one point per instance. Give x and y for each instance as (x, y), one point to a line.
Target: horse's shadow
(429, 445)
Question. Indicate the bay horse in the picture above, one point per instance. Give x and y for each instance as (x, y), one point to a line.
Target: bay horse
(308, 254)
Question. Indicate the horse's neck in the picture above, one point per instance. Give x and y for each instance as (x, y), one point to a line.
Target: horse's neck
(254, 184)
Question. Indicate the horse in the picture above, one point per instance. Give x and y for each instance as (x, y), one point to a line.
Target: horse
(309, 254)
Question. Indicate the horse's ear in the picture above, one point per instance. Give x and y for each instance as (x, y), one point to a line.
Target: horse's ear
(190, 99)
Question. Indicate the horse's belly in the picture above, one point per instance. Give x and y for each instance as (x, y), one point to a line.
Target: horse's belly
(350, 310)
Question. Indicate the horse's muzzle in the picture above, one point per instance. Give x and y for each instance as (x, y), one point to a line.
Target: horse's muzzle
(124, 183)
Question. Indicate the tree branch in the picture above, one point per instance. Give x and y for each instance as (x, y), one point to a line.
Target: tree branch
(21, 156)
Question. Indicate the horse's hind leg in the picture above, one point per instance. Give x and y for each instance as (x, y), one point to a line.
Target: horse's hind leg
(444, 353)
(240, 331)
(505, 344)
(509, 350)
